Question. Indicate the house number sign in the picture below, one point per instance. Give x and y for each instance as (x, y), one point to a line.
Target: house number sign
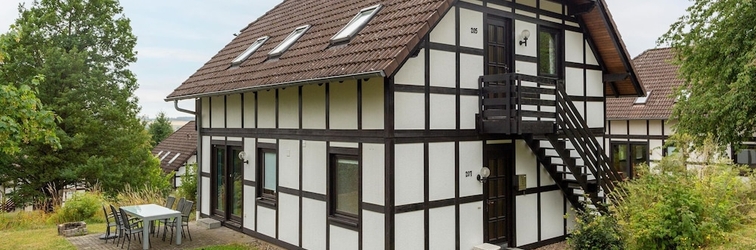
(468, 173)
(474, 30)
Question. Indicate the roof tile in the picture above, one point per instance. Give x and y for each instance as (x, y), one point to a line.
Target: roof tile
(183, 141)
(383, 40)
(659, 75)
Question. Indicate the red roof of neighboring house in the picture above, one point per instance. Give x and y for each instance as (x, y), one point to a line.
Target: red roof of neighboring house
(175, 150)
(659, 74)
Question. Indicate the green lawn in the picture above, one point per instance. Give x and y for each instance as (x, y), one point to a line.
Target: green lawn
(43, 238)
(46, 237)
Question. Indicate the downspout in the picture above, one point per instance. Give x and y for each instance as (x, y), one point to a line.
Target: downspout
(198, 167)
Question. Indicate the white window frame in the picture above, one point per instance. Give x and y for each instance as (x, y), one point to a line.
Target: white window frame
(249, 51)
(289, 41)
(643, 99)
(356, 24)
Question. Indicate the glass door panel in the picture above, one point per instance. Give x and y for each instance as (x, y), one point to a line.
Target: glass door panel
(235, 184)
(220, 180)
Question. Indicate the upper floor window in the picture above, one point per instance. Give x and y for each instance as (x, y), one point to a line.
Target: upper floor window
(356, 24)
(286, 43)
(248, 52)
(345, 188)
(548, 51)
(643, 99)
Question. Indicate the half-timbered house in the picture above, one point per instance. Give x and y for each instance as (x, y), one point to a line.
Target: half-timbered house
(638, 127)
(397, 124)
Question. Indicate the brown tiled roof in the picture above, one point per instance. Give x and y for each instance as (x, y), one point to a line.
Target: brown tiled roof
(183, 143)
(378, 49)
(659, 74)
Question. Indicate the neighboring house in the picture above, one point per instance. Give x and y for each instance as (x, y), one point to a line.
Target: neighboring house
(363, 124)
(638, 128)
(177, 151)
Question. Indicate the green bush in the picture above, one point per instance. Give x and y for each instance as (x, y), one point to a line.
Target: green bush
(188, 188)
(82, 206)
(677, 206)
(594, 231)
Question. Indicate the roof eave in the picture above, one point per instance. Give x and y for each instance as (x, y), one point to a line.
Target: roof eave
(378, 73)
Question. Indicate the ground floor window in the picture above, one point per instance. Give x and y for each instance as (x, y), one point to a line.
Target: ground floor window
(628, 155)
(747, 156)
(345, 187)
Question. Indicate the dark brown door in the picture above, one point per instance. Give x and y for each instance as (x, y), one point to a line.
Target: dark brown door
(498, 194)
(227, 183)
(498, 46)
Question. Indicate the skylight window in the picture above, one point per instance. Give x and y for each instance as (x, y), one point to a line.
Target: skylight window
(358, 22)
(174, 158)
(286, 43)
(643, 99)
(252, 48)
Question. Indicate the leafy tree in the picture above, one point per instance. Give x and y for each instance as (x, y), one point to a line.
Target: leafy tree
(715, 45)
(22, 117)
(160, 128)
(83, 48)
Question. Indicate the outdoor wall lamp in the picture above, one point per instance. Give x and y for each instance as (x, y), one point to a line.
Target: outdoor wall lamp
(242, 157)
(525, 35)
(483, 175)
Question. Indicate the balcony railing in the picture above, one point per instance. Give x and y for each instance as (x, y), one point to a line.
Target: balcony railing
(517, 104)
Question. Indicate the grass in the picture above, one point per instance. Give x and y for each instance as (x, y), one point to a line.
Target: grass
(42, 238)
(742, 238)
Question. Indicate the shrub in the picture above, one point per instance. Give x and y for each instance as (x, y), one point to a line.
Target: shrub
(82, 206)
(594, 231)
(188, 188)
(677, 206)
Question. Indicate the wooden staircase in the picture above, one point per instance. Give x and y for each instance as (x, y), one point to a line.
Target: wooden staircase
(554, 130)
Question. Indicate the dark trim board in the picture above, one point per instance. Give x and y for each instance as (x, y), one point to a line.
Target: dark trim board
(545, 242)
(437, 203)
(515, 16)
(271, 240)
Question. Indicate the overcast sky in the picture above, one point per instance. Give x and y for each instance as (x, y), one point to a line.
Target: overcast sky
(176, 37)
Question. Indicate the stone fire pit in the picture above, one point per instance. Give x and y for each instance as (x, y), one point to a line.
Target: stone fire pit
(72, 229)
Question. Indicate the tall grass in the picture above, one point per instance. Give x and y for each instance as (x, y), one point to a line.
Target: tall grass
(146, 195)
(23, 220)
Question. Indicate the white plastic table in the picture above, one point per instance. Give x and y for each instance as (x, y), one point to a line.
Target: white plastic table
(152, 212)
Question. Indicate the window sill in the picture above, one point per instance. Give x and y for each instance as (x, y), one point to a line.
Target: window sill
(344, 222)
(266, 202)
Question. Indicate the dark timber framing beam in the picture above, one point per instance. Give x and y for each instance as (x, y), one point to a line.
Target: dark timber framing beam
(579, 9)
(615, 77)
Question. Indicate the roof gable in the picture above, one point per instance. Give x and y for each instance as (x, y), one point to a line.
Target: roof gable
(377, 49)
(177, 148)
(608, 44)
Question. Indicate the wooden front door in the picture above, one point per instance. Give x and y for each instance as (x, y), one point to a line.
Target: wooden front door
(499, 209)
(499, 49)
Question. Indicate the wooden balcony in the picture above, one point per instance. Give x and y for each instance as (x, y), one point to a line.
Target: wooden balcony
(517, 104)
